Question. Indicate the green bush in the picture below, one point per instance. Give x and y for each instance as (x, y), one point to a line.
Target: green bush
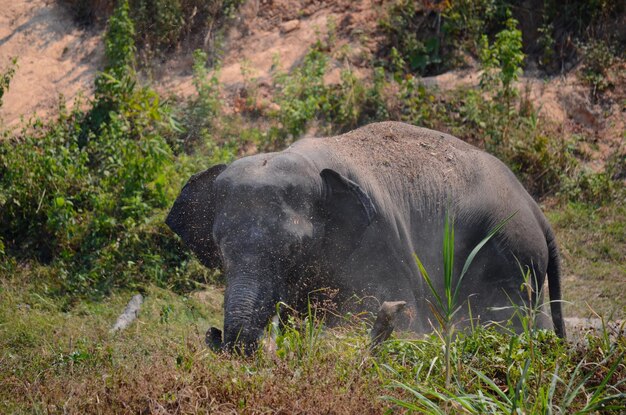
(162, 25)
(432, 38)
(597, 57)
(408, 28)
(300, 95)
(201, 111)
(466, 20)
(597, 187)
(87, 192)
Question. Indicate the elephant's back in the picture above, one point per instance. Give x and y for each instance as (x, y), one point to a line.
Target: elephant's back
(412, 173)
(401, 156)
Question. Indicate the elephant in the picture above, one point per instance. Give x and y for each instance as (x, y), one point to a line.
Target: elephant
(350, 212)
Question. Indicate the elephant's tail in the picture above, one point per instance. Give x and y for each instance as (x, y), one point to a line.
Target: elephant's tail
(554, 284)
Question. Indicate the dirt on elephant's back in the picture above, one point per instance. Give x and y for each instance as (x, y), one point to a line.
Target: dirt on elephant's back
(388, 148)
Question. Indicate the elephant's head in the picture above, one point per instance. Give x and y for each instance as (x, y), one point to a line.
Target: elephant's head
(260, 220)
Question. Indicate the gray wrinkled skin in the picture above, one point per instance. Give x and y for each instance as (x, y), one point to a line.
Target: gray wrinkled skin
(348, 213)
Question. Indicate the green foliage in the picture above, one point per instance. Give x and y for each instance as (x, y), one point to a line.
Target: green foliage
(446, 304)
(502, 61)
(418, 103)
(598, 57)
(87, 192)
(591, 187)
(298, 340)
(118, 80)
(119, 42)
(431, 38)
(301, 95)
(546, 43)
(201, 111)
(93, 211)
(405, 23)
(531, 372)
(466, 20)
(5, 78)
(163, 24)
(540, 154)
(500, 374)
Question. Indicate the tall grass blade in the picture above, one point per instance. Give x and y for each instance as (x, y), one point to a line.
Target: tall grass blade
(594, 402)
(426, 404)
(448, 259)
(493, 387)
(571, 393)
(477, 248)
(428, 281)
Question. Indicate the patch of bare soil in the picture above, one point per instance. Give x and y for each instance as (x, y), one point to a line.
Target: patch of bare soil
(269, 31)
(54, 57)
(579, 328)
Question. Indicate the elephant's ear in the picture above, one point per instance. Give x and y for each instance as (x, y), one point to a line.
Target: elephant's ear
(349, 208)
(193, 213)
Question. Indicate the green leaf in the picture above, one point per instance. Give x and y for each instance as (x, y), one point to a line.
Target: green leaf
(477, 248)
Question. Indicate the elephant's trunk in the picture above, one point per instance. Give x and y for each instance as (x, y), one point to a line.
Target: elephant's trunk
(248, 306)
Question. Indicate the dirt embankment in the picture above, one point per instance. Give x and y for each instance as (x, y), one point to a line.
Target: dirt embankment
(55, 58)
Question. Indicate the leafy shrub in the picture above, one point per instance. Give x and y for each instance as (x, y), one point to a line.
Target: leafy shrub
(432, 38)
(301, 95)
(418, 103)
(502, 61)
(408, 28)
(466, 20)
(598, 188)
(163, 24)
(598, 57)
(87, 192)
(201, 110)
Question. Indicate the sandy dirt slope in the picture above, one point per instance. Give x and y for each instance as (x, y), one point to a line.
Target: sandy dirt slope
(54, 57)
(57, 57)
(266, 30)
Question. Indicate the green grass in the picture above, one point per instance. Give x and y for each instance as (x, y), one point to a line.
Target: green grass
(54, 361)
(57, 355)
(593, 247)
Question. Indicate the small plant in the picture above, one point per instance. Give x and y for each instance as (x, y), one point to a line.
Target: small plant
(547, 44)
(201, 111)
(163, 25)
(6, 76)
(446, 304)
(301, 96)
(298, 340)
(502, 67)
(408, 28)
(598, 57)
(466, 20)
